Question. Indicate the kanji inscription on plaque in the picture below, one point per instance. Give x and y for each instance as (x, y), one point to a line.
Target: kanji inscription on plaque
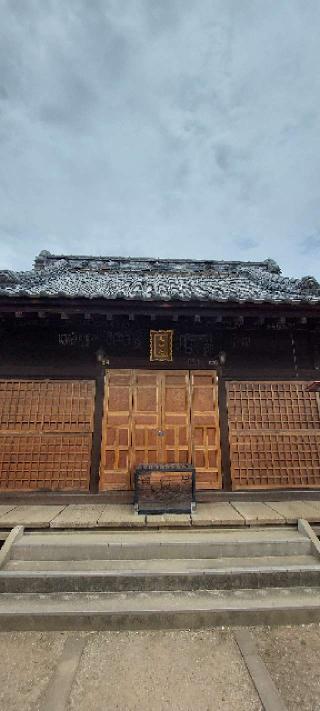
(161, 343)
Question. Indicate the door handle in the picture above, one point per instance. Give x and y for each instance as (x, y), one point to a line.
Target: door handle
(160, 433)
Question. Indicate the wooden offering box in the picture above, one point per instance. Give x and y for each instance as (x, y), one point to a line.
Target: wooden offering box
(164, 488)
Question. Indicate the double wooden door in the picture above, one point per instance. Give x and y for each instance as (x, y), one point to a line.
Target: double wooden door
(160, 417)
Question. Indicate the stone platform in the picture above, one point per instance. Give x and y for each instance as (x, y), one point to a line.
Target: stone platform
(112, 516)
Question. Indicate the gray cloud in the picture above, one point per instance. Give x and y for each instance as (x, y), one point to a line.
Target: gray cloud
(167, 128)
(245, 243)
(311, 245)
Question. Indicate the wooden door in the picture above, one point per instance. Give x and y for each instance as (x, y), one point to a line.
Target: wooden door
(46, 431)
(146, 418)
(130, 426)
(274, 429)
(205, 431)
(160, 417)
(117, 431)
(175, 418)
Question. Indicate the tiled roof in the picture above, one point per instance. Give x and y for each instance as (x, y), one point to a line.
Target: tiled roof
(157, 280)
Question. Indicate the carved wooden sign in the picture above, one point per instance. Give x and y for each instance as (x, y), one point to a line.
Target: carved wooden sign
(161, 343)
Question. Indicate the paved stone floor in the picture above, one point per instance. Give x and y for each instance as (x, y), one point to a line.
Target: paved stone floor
(176, 670)
(123, 516)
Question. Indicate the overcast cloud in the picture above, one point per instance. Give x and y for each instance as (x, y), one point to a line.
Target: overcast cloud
(180, 128)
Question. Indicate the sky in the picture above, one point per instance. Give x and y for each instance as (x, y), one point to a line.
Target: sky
(161, 128)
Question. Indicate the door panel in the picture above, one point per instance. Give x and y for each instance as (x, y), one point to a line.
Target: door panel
(205, 431)
(116, 437)
(175, 420)
(146, 418)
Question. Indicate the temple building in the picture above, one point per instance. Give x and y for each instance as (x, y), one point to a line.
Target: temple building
(109, 363)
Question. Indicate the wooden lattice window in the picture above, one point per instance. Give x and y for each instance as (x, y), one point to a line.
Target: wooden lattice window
(46, 434)
(274, 430)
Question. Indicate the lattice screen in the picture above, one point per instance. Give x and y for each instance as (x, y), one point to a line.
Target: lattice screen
(274, 430)
(46, 434)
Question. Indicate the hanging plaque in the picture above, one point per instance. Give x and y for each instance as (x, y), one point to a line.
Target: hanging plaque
(161, 343)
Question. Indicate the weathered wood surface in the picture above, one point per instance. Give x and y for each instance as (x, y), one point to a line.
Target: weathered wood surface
(116, 431)
(160, 417)
(205, 430)
(274, 435)
(46, 434)
(271, 344)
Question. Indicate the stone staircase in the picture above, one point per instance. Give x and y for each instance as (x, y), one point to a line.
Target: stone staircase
(160, 579)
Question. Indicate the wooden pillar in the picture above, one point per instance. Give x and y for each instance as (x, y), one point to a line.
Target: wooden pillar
(97, 433)
(224, 434)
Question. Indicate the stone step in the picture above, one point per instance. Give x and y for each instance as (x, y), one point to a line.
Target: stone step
(159, 610)
(160, 544)
(159, 564)
(159, 574)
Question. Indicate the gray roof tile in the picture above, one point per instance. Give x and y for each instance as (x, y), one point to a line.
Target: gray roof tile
(157, 280)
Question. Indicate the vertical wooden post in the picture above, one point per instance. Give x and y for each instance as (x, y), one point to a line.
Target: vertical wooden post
(224, 434)
(97, 434)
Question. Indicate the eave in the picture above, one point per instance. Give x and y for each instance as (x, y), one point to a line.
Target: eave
(100, 306)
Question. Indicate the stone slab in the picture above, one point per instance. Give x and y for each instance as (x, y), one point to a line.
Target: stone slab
(261, 678)
(78, 516)
(293, 510)
(30, 516)
(5, 509)
(120, 516)
(219, 514)
(166, 520)
(258, 513)
(13, 537)
(316, 511)
(305, 529)
(57, 693)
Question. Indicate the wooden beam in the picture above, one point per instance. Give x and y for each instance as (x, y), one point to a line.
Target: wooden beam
(97, 434)
(211, 310)
(224, 434)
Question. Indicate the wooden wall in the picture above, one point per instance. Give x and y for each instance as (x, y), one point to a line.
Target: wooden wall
(57, 346)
